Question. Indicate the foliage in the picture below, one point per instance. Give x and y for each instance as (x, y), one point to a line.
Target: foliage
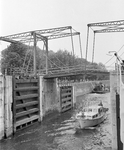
(20, 55)
(13, 56)
(102, 66)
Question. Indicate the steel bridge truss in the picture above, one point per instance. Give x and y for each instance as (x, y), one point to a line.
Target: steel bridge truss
(43, 35)
(103, 27)
(50, 34)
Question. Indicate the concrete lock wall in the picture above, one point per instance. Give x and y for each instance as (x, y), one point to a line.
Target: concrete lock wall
(41, 96)
(86, 87)
(5, 106)
(50, 96)
(82, 88)
(1, 107)
(8, 106)
(115, 87)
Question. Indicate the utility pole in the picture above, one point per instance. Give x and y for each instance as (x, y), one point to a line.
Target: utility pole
(46, 44)
(93, 48)
(72, 44)
(35, 42)
(86, 51)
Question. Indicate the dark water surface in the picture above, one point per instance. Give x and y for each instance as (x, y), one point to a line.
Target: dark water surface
(59, 133)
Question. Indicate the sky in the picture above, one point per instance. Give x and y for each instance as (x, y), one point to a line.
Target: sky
(18, 16)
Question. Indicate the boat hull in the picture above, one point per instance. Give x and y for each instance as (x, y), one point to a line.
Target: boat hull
(100, 92)
(83, 123)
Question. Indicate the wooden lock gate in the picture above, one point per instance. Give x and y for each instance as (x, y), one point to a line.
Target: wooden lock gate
(26, 106)
(66, 98)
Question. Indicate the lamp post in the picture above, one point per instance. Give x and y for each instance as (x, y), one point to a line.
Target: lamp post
(118, 123)
(116, 65)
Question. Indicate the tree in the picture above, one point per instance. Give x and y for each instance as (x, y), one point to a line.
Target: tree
(21, 56)
(13, 56)
(102, 66)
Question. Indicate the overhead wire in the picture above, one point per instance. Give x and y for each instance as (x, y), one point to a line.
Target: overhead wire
(59, 60)
(109, 60)
(114, 61)
(113, 55)
(51, 61)
(48, 57)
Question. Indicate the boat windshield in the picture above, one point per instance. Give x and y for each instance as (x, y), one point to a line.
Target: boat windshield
(90, 110)
(87, 110)
(95, 110)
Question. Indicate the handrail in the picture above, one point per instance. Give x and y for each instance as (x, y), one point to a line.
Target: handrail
(51, 71)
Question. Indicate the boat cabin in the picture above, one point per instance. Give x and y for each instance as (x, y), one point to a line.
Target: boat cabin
(92, 112)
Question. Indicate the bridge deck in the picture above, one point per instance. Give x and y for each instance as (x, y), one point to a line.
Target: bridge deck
(74, 73)
(64, 71)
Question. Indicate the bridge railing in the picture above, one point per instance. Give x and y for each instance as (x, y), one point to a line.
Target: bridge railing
(59, 70)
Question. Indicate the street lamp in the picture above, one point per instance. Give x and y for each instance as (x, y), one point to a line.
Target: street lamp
(115, 53)
(116, 64)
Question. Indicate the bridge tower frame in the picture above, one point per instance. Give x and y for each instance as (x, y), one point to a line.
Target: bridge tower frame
(42, 35)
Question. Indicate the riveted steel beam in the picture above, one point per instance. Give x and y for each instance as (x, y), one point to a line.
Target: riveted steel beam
(8, 40)
(104, 24)
(30, 33)
(109, 30)
(50, 37)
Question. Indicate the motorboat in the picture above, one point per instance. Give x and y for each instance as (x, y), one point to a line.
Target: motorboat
(91, 116)
(100, 89)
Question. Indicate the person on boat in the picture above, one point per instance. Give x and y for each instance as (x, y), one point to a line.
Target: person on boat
(100, 104)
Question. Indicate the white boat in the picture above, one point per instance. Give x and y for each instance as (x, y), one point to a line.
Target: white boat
(91, 116)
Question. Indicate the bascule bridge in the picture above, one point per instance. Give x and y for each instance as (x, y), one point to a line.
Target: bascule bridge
(31, 97)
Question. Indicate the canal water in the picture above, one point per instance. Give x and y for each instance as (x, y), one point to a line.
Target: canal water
(60, 133)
